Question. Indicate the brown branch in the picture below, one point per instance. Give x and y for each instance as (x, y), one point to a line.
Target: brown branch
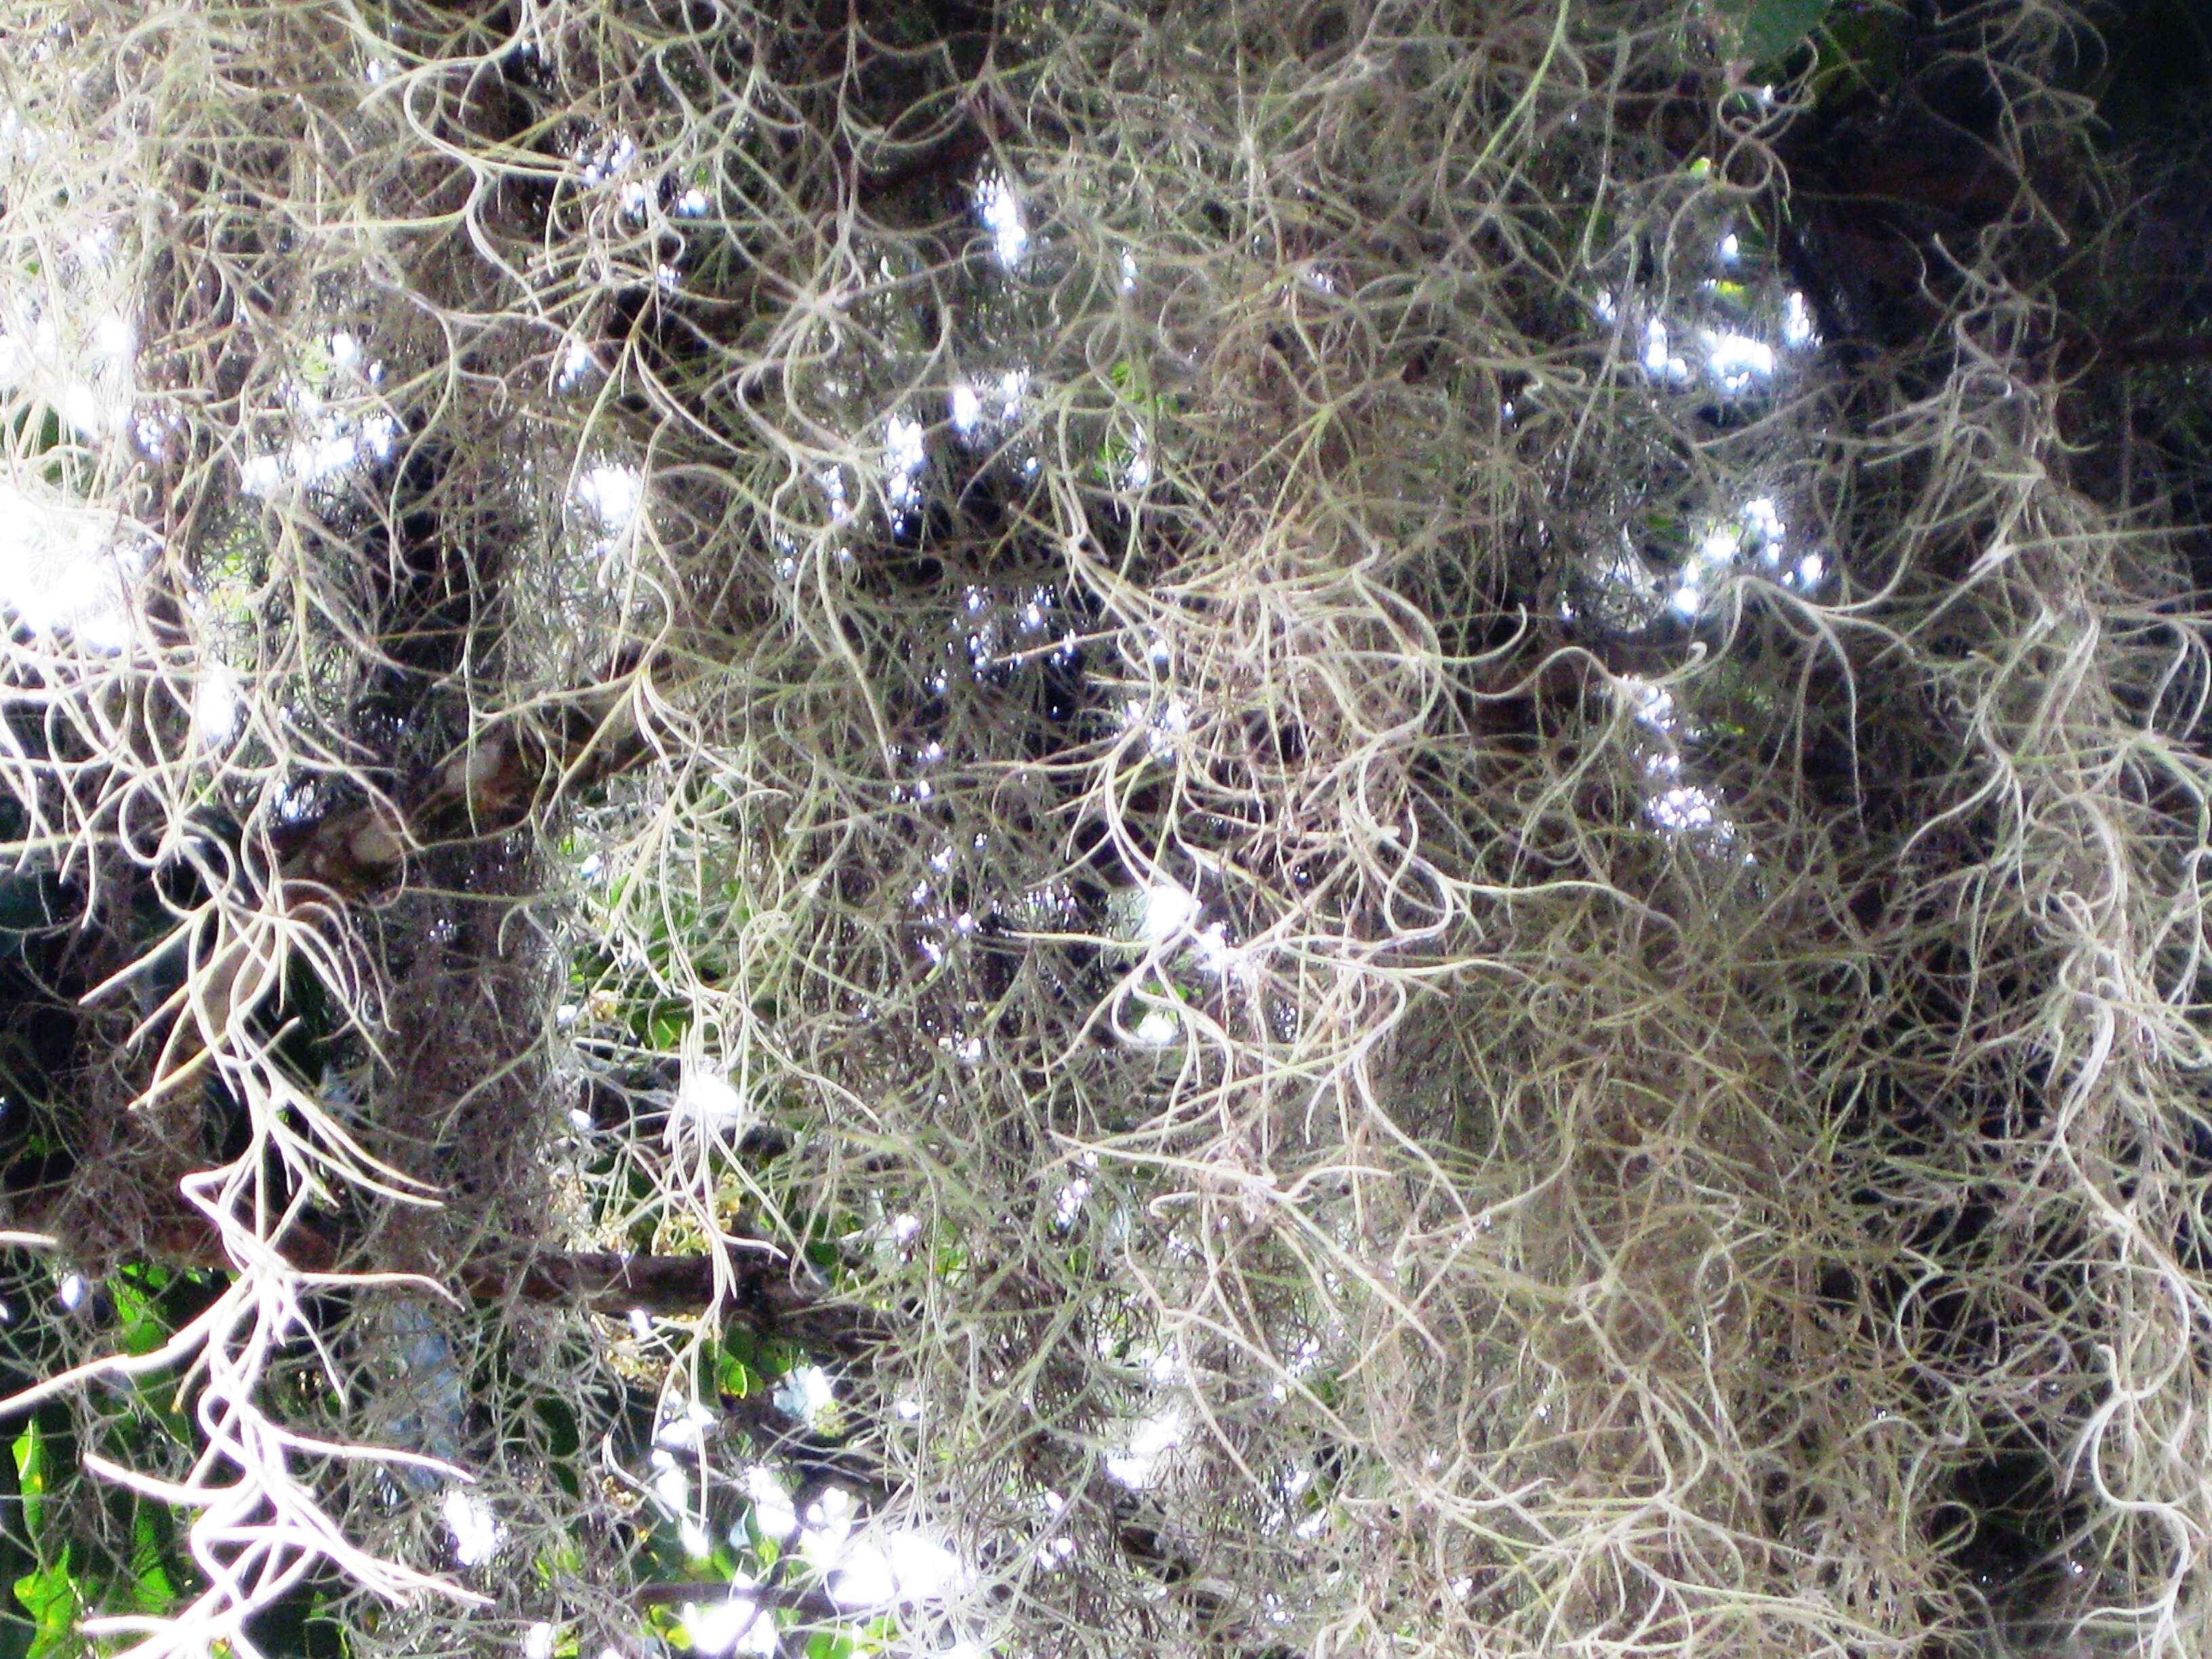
(487, 789)
(814, 1604)
(2136, 342)
(819, 1462)
(759, 1297)
(2143, 350)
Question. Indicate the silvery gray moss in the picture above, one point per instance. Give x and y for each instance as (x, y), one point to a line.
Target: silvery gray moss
(1270, 829)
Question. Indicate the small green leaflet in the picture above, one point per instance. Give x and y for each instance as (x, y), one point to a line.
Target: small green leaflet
(50, 1596)
(1765, 30)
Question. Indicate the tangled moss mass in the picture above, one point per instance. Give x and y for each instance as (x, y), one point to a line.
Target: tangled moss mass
(1268, 831)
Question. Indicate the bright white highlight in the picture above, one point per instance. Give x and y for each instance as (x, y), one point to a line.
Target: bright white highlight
(771, 1504)
(1002, 216)
(717, 1627)
(613, 495)
(338, 443)
(904, 456)
(1797, 321)
(1153, 1440)
(705, 1097)
(806, 1393)
(476, 1532)
(217, 706)
(865, 1571)
(62, 573)
(1157, 1028)
(1169, 908)
(1734, 360)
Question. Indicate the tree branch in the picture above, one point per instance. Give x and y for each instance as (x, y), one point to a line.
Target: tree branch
(759, 1297)
(814, 1604)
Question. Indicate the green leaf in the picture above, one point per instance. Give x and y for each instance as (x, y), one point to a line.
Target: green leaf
(50, 1597)
(735, 1376)
(561, 1559)
(1765, 31)
(17, 1558)
(151, 1587)
(143, 1329)
(30, 1454)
